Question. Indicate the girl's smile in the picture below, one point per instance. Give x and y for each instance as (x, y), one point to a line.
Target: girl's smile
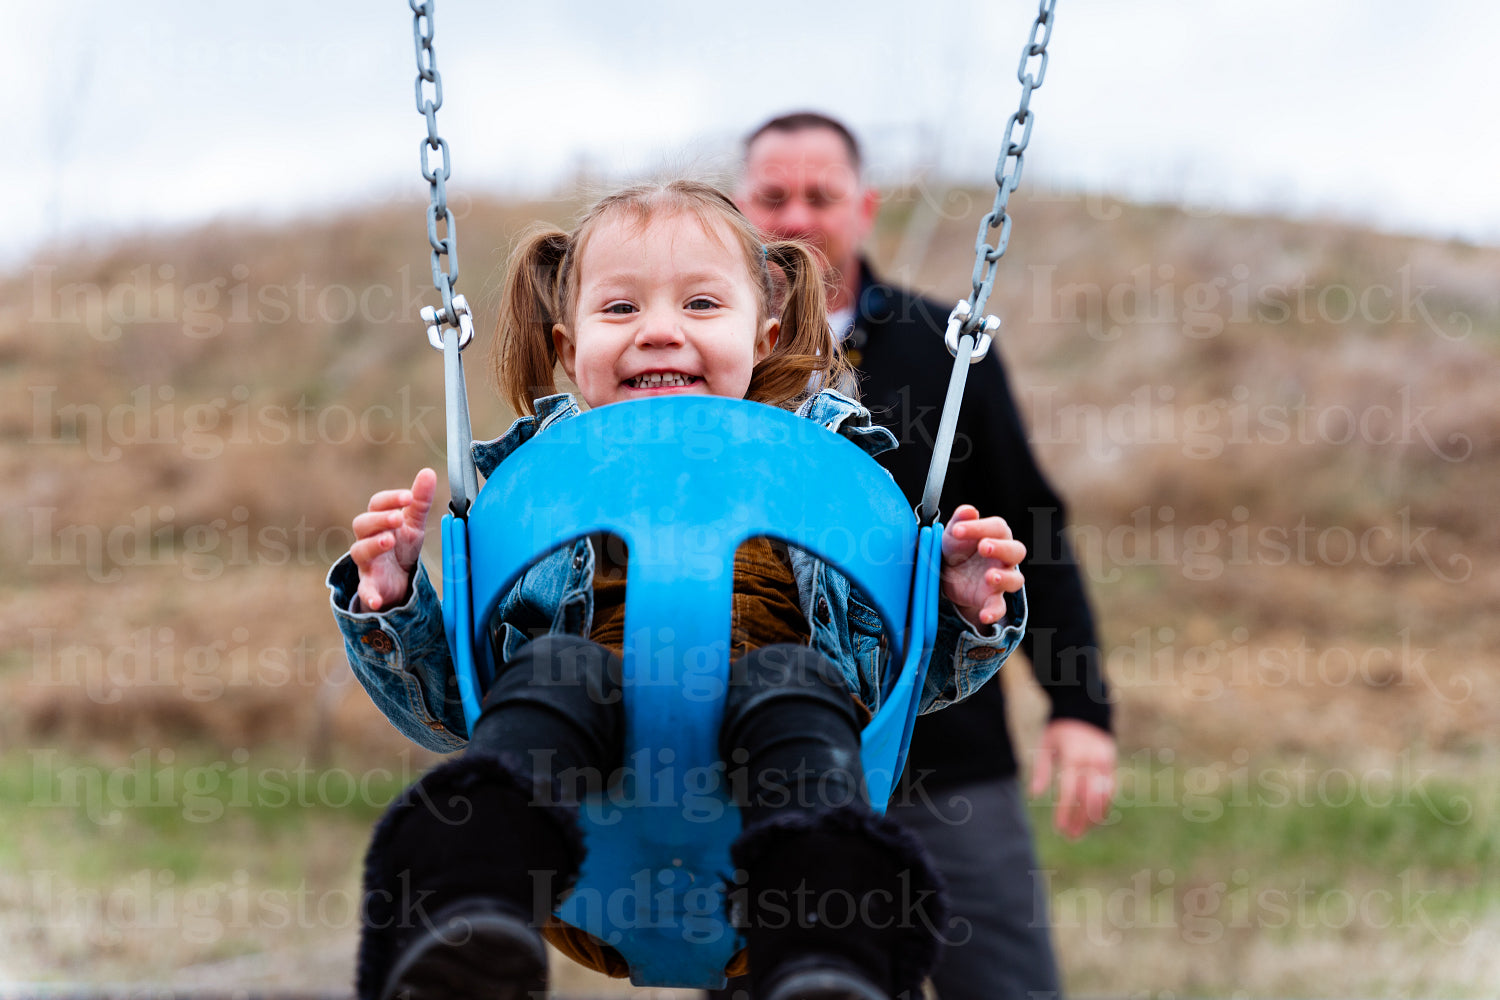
(662, 380)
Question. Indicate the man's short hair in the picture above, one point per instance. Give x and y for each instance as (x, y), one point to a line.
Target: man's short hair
(798, 121)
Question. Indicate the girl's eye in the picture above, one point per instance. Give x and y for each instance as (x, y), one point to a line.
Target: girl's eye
(702, 303)
(619, 308)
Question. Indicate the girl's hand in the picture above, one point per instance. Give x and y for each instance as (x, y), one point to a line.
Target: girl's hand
(979, 565)
(388, 540)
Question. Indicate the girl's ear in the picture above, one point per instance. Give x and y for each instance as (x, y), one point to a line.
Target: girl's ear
(567, 351)
(766, 342)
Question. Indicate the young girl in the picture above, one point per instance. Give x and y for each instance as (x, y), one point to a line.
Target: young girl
(659, 290)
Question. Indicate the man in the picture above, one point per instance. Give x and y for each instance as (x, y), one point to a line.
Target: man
(960, 793)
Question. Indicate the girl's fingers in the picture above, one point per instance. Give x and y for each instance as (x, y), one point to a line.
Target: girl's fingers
(1002, 578)
(391, 499)
(424, 488)
(957, 548)
(994, 610)
(374, 521)
(375, 535)
(1007, 581)
(369, 597)
(960, 526)
(365, 551)
(988, 527)
(1007, 551)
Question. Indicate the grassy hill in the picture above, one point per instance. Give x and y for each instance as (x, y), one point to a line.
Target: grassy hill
(1279, 441)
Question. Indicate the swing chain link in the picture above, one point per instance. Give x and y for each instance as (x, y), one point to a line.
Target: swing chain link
(454, 310)
(968, 316)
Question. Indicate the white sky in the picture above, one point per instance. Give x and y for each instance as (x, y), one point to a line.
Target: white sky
(167, 111)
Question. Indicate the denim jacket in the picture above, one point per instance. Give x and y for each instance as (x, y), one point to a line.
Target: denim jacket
(401, 655)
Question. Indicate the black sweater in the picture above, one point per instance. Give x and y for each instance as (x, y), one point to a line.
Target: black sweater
(897, 346)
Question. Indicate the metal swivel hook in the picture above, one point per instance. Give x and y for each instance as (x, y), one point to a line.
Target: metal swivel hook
(957, 320)
(436, 319)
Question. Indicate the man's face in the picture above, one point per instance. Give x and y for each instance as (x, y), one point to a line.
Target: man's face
(802, 185)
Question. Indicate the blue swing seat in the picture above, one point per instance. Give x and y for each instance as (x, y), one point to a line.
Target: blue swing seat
(684, 481)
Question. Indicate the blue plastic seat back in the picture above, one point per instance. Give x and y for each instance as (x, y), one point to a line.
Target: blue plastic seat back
(684, 481)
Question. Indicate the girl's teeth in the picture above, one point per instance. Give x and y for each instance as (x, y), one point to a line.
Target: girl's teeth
(657, 379)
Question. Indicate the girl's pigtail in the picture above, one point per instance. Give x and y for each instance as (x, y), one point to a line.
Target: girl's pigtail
(522, 355)
(806, 356)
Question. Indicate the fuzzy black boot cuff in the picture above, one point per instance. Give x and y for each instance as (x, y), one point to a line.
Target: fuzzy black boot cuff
(844, 883)
(475, 827)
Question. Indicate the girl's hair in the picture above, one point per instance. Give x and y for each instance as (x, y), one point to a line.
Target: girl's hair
(541, 289)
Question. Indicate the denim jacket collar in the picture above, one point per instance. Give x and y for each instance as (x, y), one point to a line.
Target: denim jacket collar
(549, 410)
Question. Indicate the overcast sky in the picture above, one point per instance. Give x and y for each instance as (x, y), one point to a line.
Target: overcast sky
(167, 111)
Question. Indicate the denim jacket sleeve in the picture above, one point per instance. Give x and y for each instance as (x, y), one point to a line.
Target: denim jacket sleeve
(401, 658)
(964, 657)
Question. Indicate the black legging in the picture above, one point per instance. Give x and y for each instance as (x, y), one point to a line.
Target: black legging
(789, 739)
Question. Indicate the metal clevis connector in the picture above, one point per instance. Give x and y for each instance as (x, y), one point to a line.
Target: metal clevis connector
(957, 320)
(437, 318)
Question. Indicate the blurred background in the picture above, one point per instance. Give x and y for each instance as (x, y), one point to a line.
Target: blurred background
(1252, 317)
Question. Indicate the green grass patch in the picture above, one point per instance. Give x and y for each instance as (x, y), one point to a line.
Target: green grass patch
(1285, 847)
(185, 811)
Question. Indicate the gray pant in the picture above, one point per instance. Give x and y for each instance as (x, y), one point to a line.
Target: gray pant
(998, 945)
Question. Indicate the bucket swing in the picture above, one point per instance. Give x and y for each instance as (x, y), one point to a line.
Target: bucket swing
(655, 875)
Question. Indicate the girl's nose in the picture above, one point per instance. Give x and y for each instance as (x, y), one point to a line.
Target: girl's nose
(658, 328)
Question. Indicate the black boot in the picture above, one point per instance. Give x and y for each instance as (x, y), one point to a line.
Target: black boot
(840, 905)
(461, 871)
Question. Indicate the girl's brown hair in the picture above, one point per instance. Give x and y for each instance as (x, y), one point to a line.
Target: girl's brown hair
(541, 284)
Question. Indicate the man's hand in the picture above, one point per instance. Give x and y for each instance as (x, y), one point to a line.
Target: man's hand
(1084, 758)
(979, 565)
(388, 540)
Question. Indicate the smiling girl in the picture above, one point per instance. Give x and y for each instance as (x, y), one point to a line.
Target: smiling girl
(660, 290)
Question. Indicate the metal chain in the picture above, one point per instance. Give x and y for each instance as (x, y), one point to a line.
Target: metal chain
(970, 331)
(455, 310)
(968, 317)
